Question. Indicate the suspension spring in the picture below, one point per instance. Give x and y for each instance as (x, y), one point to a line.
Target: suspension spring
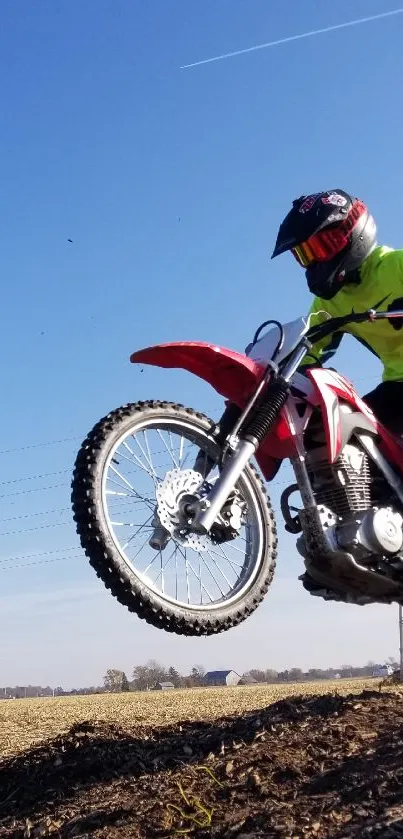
(268, 412)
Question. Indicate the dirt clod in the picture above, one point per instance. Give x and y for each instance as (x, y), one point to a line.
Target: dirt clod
(329, 767)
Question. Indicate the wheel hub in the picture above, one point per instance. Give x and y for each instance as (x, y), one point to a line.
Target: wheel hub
(175, 494)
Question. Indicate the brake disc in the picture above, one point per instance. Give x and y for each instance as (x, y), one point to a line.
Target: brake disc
(177, 484)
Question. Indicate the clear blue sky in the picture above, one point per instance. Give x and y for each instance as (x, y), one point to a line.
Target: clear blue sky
(171, 184)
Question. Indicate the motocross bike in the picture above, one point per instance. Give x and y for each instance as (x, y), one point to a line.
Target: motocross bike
(175, 519)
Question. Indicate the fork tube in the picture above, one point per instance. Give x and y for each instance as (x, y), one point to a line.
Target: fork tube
(218, 495)
(245, 449)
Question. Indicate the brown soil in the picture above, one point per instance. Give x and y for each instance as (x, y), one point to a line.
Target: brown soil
(327, 766)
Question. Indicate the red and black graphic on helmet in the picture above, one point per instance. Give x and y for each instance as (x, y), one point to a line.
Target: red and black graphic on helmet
(335, 199)
(308, 203)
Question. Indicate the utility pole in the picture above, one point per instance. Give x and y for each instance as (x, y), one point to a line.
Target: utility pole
(401, 641)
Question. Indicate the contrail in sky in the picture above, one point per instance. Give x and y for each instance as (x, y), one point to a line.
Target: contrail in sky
(359, 22)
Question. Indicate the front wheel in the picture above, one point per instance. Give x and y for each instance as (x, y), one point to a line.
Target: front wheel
(131, 480)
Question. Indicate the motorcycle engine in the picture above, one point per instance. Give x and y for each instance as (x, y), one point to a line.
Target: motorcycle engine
(355, 505)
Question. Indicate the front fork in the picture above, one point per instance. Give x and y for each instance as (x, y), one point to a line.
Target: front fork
(209, 506)
(254, 423)
(203, 464)
(255, 426)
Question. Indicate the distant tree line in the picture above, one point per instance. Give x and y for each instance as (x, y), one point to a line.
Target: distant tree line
(146, 676)
(32, 691)
(296, 674)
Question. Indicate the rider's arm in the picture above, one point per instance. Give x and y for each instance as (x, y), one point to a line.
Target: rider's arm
(324, 350)
(390, 277)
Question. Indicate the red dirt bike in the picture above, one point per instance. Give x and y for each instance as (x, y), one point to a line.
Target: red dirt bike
(175, 519)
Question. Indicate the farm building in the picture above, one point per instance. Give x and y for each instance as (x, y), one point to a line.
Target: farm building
(163, 686)
(248, 680)
(383, 671)
(222, 677)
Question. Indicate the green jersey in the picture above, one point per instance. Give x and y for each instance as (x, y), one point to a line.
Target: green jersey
(381, 288)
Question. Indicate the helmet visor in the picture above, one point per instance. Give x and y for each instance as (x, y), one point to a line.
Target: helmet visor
(329, 242)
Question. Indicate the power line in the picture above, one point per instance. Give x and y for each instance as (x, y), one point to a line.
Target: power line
(35, 477)
(37, 489)
(58, 510)
(40, 562)
(40, 445)
(40, 513)
(33, 529)
(40, 553)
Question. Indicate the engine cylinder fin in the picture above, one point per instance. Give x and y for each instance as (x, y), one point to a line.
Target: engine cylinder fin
(346, 486)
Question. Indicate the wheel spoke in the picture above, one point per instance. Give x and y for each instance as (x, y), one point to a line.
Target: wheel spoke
(149, 458)
(161, 573)
(168, 450)
(124, 480)
(196, 576)
(146, 458)
(135, 534)
(164, 564)
(185, 460)
(212, 575)
(156, 556)
(201, 589)
(187, 577)
(202, 586)
(239, 550)
(219, 569)
(182, 439)
(113, 492)
(147, 501)
(133, 498)
(129, 524)
(172, 450)
(138, 461)
(230, 561)
(140, 549)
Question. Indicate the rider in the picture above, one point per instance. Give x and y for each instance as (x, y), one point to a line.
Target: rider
(333, 236)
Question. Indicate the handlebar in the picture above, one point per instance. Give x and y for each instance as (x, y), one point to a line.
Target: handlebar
(316, 333)
(322, 330)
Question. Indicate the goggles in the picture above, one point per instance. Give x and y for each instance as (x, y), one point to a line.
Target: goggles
(327, 243)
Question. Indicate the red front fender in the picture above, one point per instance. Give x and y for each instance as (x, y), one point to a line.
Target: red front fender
(230, 373)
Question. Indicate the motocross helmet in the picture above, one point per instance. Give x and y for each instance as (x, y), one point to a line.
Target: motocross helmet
(329, 234)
